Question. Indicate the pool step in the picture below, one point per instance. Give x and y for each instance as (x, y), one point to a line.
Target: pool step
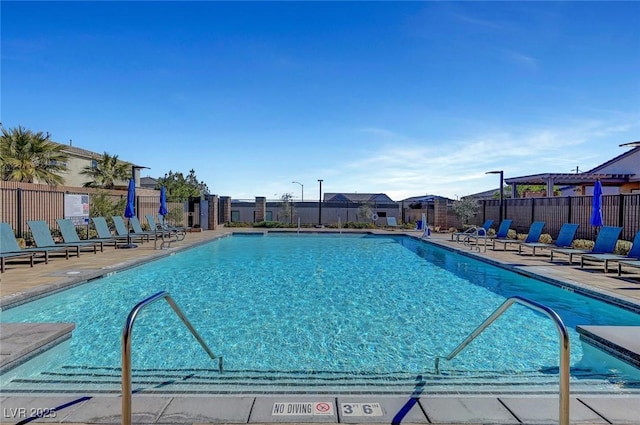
(78, 379)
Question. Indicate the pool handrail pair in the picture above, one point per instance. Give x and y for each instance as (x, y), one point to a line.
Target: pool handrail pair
(126, 347)
(563, 335)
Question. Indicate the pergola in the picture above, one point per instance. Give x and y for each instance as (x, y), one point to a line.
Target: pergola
(566, 179)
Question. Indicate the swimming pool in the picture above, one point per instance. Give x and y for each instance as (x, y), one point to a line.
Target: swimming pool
(315, 313)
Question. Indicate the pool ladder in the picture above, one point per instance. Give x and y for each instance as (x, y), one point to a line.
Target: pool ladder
(126, 347)
(564, 346)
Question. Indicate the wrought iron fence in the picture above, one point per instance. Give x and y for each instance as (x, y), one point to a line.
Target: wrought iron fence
(621, 210)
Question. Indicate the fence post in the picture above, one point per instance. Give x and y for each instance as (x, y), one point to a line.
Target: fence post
(533, 210)
(569, 209)
(621, 210)
(484, 210)
(19, 212)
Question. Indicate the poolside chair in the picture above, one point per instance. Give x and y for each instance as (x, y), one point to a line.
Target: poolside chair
(605, 244)
(535, 231)
(122, 230)
(564, 240)
(102, 228)
(10, 249)
(503, 230)
(43, 238)
(392, 222)
(179, 232)
(70, 235)
(472, 230)
(156, 233)
(634, 254)
(627, 263)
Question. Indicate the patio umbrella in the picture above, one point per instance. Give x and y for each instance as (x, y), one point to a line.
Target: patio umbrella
(596, 205)
(163, 202)
(129, 210)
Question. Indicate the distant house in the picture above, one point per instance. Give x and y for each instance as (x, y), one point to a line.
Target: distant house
(618, 175)
(373, 198)
(148, 182)
(421, 202)
(348, 206)
(78, 159)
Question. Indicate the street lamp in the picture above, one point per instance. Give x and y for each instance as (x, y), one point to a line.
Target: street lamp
(631, 144)
(301, 189)
(320, 204)
(501, 172)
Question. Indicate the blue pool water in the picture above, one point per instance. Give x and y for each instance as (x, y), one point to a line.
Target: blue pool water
(329, 303)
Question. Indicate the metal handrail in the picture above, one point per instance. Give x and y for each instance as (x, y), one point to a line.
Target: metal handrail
(564, 346)
(126, 347)
(479, 233)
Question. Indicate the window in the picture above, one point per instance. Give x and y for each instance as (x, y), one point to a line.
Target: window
(269, 216)
(94, 164)
(235, 216)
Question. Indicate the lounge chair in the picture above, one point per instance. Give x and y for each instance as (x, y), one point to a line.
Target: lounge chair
(122, 230)
(70, 235)
(392, 222)
(535, 231)
(473, 230)
(474, 239)
(564, 240)
(10, 249)
(605, 244)
(627, 263)
(179, 232)
(43, 239)
(102, 228)
(503, 229)
(634, 254)
(156, 234)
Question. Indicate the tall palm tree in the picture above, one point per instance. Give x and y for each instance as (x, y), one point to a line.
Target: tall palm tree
(31, 157)
(107, 171)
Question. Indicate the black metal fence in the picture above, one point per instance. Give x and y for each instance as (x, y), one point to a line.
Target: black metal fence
(621, 210)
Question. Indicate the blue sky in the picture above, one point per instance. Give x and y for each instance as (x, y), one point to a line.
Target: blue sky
(402, 98)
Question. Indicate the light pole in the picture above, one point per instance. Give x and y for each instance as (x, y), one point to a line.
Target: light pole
(631, 144)
(320, 204)
(301, 189)
(501, 172)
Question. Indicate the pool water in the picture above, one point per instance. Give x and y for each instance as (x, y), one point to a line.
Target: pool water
(330, 304)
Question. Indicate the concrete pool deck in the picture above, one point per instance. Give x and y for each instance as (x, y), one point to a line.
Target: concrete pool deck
(20, 283)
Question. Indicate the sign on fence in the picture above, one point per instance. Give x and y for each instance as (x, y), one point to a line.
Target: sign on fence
(76, 208)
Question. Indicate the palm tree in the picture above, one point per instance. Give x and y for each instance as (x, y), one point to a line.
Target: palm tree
(106, 172)
(31, 157)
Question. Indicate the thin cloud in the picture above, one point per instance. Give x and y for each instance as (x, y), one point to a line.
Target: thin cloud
(521, 59)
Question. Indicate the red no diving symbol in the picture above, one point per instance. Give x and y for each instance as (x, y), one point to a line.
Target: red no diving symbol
(323, 407)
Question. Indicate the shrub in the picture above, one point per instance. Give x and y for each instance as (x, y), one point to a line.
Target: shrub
(546, 238)
(273, 224)
(583, 244)
(358, 225)
(622, 247)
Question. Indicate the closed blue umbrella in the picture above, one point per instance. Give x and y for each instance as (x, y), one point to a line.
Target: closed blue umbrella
(130, 209)
(596, 205)
(163, 202)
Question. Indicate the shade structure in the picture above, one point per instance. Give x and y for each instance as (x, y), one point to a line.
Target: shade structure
(596, 205)
(130, 210)
(163, 202)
